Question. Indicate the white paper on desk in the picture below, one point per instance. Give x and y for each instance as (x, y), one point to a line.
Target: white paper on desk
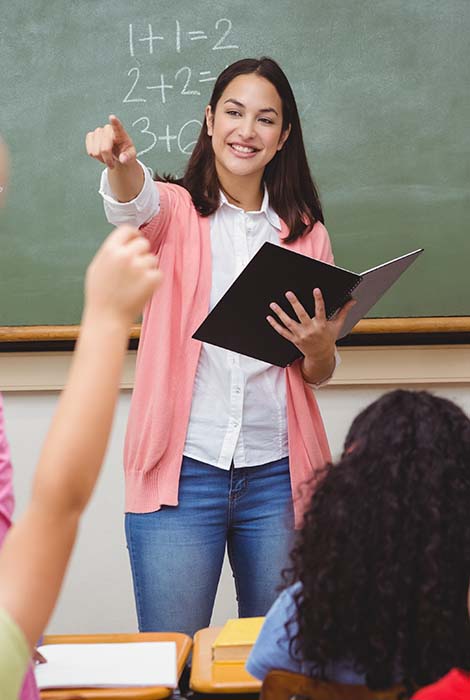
(107, 665)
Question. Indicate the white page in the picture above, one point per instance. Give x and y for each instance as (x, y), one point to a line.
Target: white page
(373, 286)
(107, 665)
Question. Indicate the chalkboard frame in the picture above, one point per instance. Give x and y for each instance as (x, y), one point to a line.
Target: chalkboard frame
(431, 330)
(384, 115)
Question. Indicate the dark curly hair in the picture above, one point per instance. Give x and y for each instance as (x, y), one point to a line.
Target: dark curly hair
(384, 553)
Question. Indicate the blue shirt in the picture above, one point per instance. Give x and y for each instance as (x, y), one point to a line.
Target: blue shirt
(272, 646)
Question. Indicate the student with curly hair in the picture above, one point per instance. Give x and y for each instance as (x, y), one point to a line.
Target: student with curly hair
(381, 568)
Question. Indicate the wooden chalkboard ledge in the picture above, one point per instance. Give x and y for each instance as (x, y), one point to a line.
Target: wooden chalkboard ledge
(434, 324)
(373, 327)
(27, 334)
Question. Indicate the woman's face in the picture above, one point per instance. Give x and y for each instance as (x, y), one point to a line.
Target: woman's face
(246, 128)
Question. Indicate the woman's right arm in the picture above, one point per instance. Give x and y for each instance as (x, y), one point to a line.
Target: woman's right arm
(129, 193)
(112, 145)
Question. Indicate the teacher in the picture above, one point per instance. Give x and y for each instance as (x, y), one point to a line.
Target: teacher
(218, 444)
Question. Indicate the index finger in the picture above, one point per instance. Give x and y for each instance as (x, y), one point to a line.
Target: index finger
(118, 126)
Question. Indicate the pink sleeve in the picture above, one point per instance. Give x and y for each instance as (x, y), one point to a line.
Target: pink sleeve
(6, 475)
(157, 228)
(321, 244)
(29, 690)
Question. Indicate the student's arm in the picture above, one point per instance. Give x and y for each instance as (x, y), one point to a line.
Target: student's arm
(112, 145)
(36, 550)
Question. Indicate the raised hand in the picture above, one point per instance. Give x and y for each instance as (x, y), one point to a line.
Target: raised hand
(122, 275)
(111, 144)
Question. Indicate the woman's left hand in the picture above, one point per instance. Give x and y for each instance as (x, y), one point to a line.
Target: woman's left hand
(314, 337)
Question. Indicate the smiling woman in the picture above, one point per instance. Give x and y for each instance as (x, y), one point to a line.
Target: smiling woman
(244, 138)
(210, 431)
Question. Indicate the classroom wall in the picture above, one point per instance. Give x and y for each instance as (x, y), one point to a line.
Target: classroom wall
(97, 595)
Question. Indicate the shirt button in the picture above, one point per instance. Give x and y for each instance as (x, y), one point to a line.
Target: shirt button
(237, 390)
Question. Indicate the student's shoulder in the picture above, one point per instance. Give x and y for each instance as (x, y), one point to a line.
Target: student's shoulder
(283, 610)
(14, 655)
(273, 647)
(289, 594)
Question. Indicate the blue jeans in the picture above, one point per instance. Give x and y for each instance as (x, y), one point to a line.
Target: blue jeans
(177, 553)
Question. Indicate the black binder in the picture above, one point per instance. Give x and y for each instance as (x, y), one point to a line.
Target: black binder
(238, 321)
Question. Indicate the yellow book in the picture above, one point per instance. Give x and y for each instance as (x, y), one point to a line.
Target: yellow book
(236, 638)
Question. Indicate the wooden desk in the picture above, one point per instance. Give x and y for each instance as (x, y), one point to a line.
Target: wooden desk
(220, 678)
(183, 647)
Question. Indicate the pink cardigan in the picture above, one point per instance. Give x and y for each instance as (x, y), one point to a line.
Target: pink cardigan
(29, 690)
(168, 357)
(6, 479)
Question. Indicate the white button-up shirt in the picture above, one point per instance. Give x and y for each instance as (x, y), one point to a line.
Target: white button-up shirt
(238, 410)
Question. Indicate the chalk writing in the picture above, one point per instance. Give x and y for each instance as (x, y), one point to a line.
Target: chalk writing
(151, 38)
(220, 45)
(162, 87)
(156, 82)
(223, 29)
(146, 130)
(188, 148)
(206, 79)
(183, 76)
(185, 90)
(128, 97)
(185, 138)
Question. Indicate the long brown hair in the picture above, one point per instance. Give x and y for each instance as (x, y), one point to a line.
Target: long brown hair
(292, 191)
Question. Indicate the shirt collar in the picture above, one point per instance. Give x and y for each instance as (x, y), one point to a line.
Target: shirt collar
(265, 208)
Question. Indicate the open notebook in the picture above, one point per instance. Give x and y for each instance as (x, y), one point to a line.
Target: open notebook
(136, 664)
(373, 285)
(238, 321)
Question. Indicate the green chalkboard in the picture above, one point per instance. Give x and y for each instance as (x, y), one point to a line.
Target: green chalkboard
(382, 86)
